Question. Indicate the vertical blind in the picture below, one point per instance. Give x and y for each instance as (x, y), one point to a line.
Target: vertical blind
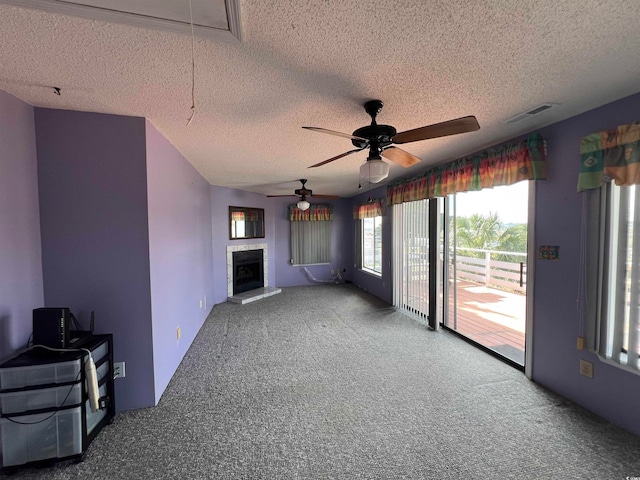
(310, 243)
(411, 258)
(310, 234)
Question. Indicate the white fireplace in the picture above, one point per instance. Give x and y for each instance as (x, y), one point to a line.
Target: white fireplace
(241, 248)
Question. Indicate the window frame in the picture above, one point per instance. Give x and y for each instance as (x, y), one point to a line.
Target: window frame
(376, 248)
(601, 269)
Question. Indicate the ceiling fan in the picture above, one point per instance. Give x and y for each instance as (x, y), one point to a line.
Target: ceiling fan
(303, 193)
(379, 139)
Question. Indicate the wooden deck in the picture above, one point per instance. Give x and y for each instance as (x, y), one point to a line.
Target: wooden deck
(491, 317)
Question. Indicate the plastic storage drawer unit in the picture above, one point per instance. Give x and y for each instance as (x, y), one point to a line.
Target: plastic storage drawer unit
(102, 371)
(93, 418)
(24, 400)
(46, 435)
(100, 352)
(44, 412)
(41, 374)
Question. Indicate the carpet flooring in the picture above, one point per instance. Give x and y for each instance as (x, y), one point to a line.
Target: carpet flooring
(328, 382)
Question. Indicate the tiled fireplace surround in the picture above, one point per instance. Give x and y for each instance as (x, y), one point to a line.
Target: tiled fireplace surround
(252, 295)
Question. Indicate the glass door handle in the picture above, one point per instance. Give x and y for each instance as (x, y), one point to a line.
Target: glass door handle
(521, 273)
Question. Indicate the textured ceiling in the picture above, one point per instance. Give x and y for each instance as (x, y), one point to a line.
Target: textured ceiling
(314, 63)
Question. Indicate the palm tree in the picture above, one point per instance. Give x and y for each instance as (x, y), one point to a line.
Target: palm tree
(478, 231)
(513, 239)
(487, 232)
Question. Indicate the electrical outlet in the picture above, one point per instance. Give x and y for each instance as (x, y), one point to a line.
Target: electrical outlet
(333, 271)
(586, 368)
(178, 333)
(118, 370)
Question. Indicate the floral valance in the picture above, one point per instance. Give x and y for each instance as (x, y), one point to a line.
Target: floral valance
(525, 160)
(315, 213)
(610, 155)
(370, 209)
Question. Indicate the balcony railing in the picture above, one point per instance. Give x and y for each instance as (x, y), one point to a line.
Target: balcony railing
(487, 270)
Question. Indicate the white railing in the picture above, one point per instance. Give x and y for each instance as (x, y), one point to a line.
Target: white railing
(492, 273)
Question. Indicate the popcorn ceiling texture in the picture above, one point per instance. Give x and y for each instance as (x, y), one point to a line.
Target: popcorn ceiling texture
(314, 63)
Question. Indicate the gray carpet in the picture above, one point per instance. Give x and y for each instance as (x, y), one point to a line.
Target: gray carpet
(327, 382)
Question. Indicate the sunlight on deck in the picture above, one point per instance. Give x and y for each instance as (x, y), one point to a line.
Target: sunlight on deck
(492, 317)
(507, 308)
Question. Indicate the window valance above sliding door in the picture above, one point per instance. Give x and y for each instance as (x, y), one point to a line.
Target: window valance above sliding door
(506, 165)
(315, 213)
(610, 155)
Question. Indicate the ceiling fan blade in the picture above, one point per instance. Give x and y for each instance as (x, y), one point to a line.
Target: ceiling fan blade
(336, 157)
(325, 196)
(399, 156)
(281, 195)
(450, 127)
(333, 132)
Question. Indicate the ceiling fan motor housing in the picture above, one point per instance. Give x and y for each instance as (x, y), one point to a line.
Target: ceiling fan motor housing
(381, 135)
(377, 136)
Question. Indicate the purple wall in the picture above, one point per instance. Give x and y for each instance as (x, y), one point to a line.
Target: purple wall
(95, 242)
(180, 242)
(20, 252)
(221, 199)
(381, 287)
(612, 393)
(288, 275)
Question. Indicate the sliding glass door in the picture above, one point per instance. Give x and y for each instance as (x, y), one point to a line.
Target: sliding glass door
(461, 262)
(487, 268)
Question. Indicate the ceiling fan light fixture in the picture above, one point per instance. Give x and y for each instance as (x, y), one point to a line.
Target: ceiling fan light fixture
(303, 205)
(374, 170)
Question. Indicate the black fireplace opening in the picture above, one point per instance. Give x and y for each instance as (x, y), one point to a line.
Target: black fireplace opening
(248, 270)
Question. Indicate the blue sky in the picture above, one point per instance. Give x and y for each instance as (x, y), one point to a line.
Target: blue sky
(509, 201)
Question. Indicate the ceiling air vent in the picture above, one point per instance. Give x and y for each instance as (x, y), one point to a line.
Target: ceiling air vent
(530, 113)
